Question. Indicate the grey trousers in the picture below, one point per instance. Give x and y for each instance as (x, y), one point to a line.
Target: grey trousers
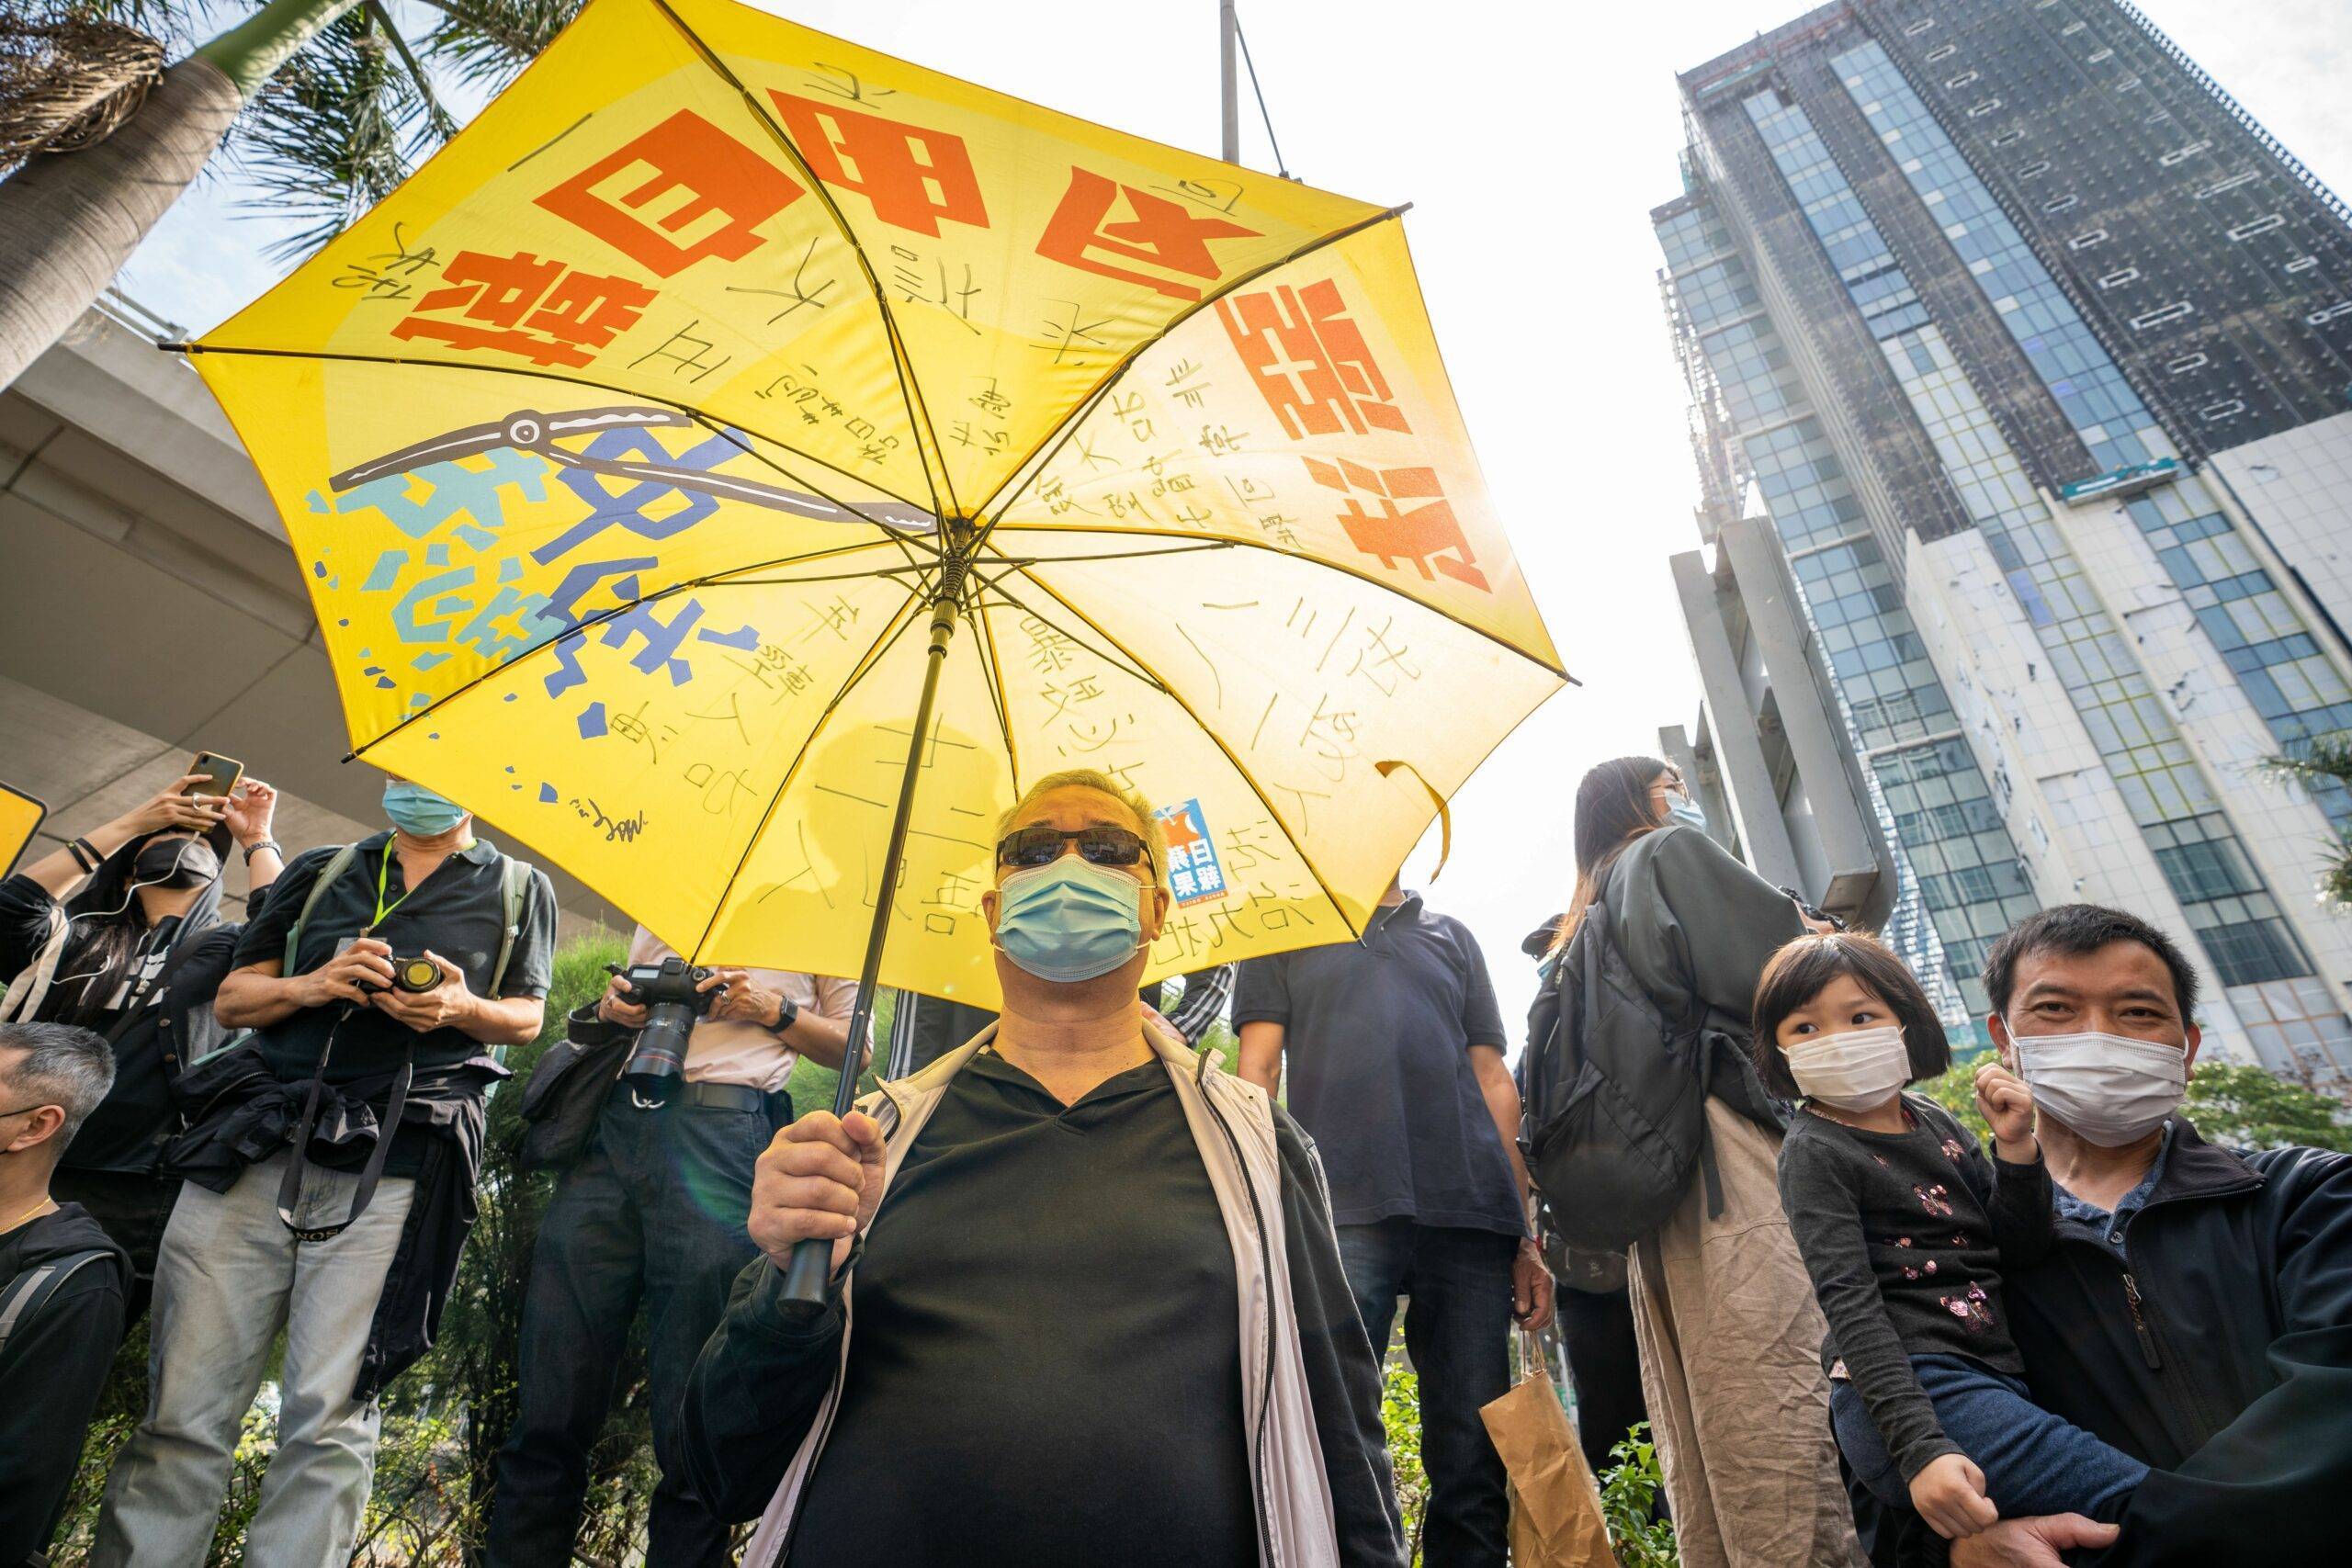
(229, 1276)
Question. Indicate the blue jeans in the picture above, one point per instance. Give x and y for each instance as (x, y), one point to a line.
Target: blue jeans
(2033, 1462)
(1457, 1331)
(654, 1213)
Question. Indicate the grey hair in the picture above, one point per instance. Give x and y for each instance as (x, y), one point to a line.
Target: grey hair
(64, 1066)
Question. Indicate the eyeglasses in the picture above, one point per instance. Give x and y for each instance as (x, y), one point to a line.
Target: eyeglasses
(1041, 845)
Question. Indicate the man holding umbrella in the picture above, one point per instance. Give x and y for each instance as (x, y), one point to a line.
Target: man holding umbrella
(1103, 1317)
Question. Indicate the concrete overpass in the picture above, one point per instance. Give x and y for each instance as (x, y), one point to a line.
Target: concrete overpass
(150, 607)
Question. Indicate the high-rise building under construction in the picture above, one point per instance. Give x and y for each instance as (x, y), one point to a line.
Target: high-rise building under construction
(2029, 354)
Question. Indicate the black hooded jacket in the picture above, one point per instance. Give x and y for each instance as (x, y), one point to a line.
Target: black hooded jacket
(130, 1125)
(2233, 1377)
(52, 1368)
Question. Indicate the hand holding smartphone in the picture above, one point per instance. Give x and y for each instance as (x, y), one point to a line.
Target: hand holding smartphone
(220, 774)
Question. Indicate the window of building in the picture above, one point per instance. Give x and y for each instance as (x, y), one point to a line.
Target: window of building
(1980, 110)
(2062, 203)
(1921, 25)
(2262, 225)
(2187, 363)
(1962, 80)
(2302, 264)
(2004, 138)
(2159, 316)
(2181, 154)
(2246, 176)
(2118, 277)
(2084, 242)
(1941, 52)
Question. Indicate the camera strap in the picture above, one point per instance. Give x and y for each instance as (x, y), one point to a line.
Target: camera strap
(289, 1187)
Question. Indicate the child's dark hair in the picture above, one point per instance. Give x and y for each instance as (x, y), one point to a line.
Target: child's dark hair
(1803, 969)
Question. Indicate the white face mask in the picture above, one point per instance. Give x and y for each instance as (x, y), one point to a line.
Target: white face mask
(1858, 1070)
(2109, 1088)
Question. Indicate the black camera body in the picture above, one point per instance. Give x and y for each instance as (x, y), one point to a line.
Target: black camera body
(413, 975)
(670, 994)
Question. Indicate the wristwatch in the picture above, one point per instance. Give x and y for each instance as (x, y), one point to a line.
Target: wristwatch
(787, 1010)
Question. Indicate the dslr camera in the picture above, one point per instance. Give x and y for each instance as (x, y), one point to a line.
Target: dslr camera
(413, 975)
(668, 991)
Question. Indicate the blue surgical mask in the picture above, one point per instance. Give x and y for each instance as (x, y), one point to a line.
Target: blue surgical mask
(1683, 809)
(1070, 920)
(418, 812)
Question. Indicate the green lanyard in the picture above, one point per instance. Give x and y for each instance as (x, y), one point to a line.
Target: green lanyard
(383, 910)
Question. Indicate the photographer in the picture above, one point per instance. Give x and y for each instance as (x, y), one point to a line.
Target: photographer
(656, 1210)
(329, 1175)
(120, 932)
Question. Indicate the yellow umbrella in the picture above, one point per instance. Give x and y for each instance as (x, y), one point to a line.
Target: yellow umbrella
(647, 448)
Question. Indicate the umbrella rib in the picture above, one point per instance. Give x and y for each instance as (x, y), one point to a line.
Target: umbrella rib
(1023, 476)
(331, 357)
(875, 652)
(1126, 666)
(1023, 563)
(918, 411)
(580, 629)
(1320, 562)
(992, 673)
(1218, 741)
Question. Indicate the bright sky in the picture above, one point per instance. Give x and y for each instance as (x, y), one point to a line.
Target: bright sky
(1533, 141)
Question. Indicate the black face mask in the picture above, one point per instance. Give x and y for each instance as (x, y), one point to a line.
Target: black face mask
(177, 864)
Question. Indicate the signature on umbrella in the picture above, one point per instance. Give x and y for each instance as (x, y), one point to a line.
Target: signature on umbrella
(529, 431)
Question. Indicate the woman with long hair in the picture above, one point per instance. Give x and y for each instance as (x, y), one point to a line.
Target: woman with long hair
(101, 933)
(1724, 1313)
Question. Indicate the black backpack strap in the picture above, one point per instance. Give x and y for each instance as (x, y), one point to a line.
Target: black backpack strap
(1694, 1019)
(23, 1298)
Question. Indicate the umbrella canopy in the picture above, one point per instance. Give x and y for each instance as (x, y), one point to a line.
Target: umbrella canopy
(628, 447)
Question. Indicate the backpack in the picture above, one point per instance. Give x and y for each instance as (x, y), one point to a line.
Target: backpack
(1615, 1107)
(22, 1298)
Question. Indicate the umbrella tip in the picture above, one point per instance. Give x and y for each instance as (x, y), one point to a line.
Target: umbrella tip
(178, 346)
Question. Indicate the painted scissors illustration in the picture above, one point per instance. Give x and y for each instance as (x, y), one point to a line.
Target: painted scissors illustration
(529, 431)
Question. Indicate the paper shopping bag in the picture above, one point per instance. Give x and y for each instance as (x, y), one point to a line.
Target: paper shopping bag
(1555, 1519)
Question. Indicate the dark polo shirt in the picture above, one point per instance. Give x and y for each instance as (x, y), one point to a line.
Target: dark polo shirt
(1046, 1363)
(458, 912)
(1376, 1038)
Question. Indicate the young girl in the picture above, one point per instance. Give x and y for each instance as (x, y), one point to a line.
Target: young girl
(1904, 1226)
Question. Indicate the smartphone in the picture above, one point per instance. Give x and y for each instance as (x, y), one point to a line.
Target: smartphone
(221, 775)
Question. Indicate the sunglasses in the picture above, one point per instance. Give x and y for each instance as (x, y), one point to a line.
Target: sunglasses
(1025, 847)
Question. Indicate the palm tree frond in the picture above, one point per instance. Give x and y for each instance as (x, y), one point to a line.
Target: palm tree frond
(2322, 760)
(334, 132)
(66, 81)
(485, 42)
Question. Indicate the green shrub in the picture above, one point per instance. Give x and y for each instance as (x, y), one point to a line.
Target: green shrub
(1629, 1491)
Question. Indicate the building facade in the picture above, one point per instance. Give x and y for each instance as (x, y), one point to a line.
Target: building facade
(2036, 352)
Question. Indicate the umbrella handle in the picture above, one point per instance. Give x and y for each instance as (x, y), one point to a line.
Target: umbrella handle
(804, 1280)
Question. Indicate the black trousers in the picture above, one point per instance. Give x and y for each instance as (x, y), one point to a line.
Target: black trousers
(1606, 1365)
(1457, 1330)
(132, 1208)
(653, 1216)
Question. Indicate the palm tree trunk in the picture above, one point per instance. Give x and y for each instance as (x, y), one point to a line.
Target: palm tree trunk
(70, 220)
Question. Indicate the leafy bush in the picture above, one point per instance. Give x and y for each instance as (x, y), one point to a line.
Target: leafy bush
(1629, 1491)
(1400, 1413)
